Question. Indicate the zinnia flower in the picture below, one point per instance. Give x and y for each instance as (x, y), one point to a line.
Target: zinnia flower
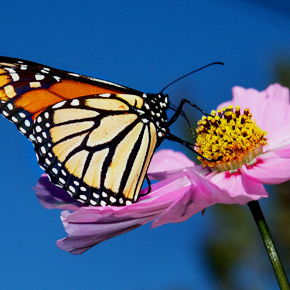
(186, 188)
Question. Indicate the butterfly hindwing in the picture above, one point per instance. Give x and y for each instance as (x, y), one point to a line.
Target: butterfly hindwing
(96, 147)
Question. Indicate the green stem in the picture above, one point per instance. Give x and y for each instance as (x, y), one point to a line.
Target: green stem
(269, 244)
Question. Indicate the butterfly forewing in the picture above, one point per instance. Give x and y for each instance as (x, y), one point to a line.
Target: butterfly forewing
(28, 88)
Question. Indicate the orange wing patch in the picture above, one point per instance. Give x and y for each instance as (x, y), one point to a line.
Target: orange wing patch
(4, 78)
(70, 89)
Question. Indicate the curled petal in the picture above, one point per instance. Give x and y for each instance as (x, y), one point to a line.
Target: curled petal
(88, 226)
(167, 162)
(51, 196)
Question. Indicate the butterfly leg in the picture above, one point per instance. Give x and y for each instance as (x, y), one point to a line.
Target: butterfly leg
(174, 108)
(188, 145)
(180, 112)
(149, 186)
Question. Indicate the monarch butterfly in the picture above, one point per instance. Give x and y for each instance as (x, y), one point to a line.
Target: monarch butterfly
(92, 137)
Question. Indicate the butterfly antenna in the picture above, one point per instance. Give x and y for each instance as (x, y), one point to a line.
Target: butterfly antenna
(213, 63)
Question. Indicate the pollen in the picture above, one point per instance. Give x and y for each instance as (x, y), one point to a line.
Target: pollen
(229, 139)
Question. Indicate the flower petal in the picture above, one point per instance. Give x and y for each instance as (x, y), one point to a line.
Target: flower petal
(200, 195)
(270, 108)
(278, 93)
(51, 196)
(240, 189)
(279, 138)
(271, 167)
(167, 162)
(89, 226)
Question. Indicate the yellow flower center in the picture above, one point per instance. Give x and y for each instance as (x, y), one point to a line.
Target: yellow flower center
(229, 139)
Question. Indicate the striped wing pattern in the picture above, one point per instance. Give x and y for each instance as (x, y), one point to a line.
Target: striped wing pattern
(93, 138)
(98, 155)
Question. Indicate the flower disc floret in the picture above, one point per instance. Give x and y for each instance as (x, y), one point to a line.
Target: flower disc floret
(229, 139)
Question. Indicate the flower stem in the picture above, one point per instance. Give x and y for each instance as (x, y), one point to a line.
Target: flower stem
(269, 244)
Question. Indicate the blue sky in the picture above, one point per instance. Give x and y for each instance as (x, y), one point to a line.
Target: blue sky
(144, 45)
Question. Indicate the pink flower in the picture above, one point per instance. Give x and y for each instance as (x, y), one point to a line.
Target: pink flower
(185, 188)
(172, 200)
(271, 110)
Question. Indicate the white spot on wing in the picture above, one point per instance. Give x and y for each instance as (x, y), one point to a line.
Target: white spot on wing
(105, 95)
(35, 85)
(74, 75)
(22, 115)
(113, 199)
(58, 105)
(93, 202)
(10, 92)
(72, 189)
(10, 106)
(39, 77)
(75, 102)
(14, 119)
(61, 180)
(38, 129)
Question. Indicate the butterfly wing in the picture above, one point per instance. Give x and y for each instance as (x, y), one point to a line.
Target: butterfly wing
(28, 88)
(96, 147)
(92, 137)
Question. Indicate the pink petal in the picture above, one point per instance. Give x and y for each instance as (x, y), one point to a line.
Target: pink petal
(270, 108)
(166, 162)
(89, 226)
(51, 196)
(271, 167)
(200, 195)
(280, 137)
(239, 187)
(278, 93)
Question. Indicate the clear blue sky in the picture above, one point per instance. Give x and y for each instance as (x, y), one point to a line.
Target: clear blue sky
(143, 45)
